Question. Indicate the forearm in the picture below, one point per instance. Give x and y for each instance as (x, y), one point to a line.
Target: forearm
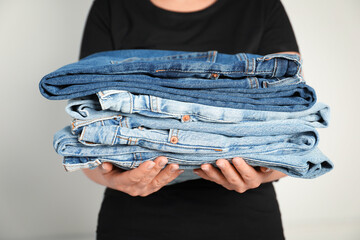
(95, 175)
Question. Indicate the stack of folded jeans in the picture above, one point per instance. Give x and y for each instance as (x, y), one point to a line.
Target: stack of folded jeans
(130, 106)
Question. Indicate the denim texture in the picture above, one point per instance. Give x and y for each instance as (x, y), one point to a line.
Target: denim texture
(270, 83)
(130, 106)
(180, 64)
(310, 164)
(271, 137)
(115, 102)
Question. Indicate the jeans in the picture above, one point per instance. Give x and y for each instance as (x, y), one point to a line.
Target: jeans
(309, 164)
(167, 135)
(270, 83)
(114, 102)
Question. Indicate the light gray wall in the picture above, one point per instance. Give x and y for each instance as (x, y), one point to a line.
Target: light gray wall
(39, 200)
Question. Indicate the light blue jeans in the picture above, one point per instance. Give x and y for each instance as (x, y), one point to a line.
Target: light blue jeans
(114, 102)
(308, 164)
(239, 132)
(168, 135)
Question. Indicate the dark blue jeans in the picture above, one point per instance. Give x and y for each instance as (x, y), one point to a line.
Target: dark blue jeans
(270, 83)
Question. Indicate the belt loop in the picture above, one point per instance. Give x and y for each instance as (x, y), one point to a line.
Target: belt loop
(275, 67)
(131, 99)
(253, 81)
(153, 104)
(211, 56)
(241, 56)
(209, 53)
(250, 66)
(215, 53)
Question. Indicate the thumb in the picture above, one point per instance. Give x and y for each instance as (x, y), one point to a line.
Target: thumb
(106, 167)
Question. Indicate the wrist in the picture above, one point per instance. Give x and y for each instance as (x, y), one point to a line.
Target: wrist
(95, 176)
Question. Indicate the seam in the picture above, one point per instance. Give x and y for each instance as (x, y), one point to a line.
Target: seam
(219, 72)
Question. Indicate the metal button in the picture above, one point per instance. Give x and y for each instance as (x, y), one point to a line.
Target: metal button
(214, 75)
(174, 139)
(186, 118)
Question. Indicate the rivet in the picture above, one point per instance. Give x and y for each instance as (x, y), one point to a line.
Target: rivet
(174, 139)
(186, 118)
(214, 75)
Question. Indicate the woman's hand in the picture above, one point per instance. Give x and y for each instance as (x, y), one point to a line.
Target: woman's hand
(148, 178)
(238, 176)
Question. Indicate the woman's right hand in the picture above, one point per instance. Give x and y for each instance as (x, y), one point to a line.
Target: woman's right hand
(148, 178)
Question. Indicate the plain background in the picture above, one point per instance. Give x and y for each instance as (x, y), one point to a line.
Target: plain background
(39, 200)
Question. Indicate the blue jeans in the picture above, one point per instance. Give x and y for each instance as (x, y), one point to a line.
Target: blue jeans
(115, 102)
(309, 164)
(168, 135)
(270, 83)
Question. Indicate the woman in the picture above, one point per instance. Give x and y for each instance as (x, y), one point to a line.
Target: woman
(233, 201)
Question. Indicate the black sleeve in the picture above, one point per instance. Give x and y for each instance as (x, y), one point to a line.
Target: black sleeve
(278, 34)
(97, 33)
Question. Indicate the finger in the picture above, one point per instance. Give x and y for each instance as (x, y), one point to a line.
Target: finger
(202, 174)
(134, 176)
(168, 174)
(106, 167)
(230, 173)
(215, 175)
(160, 162)
(250, 176)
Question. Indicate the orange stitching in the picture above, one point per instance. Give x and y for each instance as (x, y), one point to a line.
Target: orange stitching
(122, 138)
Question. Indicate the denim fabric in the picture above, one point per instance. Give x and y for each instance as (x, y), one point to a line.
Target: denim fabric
(271, 137)
(180, 64)
(122, 102)
(241, 129)
(76, 156)
(207, 78)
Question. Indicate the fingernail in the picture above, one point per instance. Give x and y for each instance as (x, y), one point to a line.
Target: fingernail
(236, 161)
(220, 165)
(162, 162)
(103, 167)
(150, 165)
(205, 167)
(174, 168)
(196, 172)
(181, 171)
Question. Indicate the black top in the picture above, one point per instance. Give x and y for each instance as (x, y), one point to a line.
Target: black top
(228, 26)
(196, 209)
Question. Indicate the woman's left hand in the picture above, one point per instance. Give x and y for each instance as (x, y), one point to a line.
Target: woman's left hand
(238, 176)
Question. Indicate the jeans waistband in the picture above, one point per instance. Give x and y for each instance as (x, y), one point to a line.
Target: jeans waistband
(122, 102)
(211, 64)
(180, 141)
